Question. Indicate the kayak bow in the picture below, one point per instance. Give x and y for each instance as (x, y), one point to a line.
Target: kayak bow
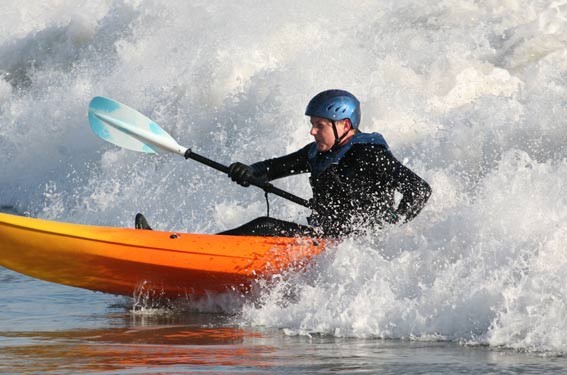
(120, 260)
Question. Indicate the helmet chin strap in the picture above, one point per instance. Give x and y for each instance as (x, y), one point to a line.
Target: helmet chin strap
(337, 138)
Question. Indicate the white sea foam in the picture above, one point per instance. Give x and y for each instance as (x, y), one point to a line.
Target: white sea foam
(470, 95)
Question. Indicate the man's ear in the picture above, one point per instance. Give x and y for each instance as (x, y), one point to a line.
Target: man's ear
(349, 123)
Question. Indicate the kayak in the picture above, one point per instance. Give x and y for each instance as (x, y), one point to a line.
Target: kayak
(122, 260)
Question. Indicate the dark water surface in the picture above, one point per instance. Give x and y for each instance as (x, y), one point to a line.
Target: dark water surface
(51, 329)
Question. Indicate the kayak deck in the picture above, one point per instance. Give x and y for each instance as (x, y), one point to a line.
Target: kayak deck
(119, 260)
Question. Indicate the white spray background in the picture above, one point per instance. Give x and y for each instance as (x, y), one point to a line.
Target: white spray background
(470, 95)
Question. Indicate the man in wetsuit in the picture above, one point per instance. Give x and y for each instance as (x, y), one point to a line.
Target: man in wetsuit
(353, 176)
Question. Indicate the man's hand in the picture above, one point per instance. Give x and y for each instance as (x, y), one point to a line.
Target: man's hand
(241, 173)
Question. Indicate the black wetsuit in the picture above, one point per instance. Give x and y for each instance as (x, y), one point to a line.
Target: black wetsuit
(353, 193)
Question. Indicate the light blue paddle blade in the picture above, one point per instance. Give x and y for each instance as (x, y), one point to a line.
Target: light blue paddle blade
(119, 124)
(125, 127)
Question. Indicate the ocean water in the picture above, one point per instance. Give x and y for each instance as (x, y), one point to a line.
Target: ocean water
(470, 95)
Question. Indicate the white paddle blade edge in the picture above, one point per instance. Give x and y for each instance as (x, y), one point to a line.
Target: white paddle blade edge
(125, 127)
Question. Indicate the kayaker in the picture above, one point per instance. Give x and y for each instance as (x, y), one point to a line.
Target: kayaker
(353, 176)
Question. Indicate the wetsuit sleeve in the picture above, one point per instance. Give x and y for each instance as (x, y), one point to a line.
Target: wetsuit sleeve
(283, 166)
(415, 191)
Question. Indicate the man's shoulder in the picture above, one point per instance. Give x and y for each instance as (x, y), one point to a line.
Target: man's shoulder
(369, 139)
(368, 148)
(374, 156)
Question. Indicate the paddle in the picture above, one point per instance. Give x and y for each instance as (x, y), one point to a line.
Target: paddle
(125, 127)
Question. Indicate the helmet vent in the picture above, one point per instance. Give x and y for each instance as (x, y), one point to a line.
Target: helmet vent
(335, 105)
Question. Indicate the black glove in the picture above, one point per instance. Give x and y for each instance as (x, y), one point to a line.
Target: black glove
(241, 173)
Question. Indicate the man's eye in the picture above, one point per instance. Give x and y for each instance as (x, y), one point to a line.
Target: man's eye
(319, 126)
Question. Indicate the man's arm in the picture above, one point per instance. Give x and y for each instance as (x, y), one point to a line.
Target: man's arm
(270, 169)
(283, 166)
(415, 191)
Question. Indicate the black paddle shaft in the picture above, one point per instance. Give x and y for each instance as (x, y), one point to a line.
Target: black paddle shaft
(266, 186)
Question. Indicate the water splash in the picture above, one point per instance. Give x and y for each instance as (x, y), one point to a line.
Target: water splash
(470, 96)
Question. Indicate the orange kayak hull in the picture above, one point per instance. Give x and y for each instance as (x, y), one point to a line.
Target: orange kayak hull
(121, 260)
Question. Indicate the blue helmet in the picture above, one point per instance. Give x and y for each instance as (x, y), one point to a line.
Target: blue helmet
(335, 105)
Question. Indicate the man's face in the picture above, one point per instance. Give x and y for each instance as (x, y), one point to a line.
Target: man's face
(322, 131)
